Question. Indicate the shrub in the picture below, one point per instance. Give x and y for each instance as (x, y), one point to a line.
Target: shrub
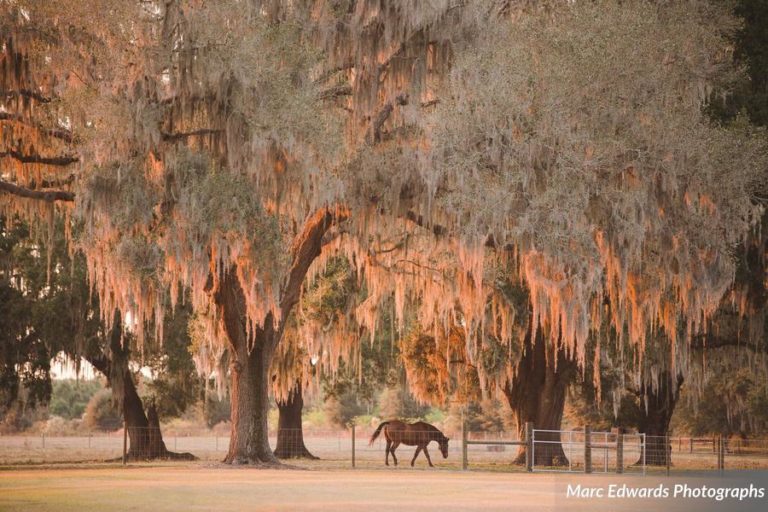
(340, 410)
(70, 397)
(398, 403)
(101, 413)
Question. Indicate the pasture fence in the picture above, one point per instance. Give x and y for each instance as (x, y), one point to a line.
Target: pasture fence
(587, 451)
(536, 450)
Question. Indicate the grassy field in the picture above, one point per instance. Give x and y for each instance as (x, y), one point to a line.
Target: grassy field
(206, 486)
(202, 487)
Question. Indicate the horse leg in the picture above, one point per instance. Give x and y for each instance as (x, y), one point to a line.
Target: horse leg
(395, 444)
(418, 449)
(386, 457)
(428, 459)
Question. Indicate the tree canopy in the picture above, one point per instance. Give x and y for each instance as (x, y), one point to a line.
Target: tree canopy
(228, 152)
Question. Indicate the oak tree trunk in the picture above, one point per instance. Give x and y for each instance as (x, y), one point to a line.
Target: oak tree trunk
(290, 432)
(537, 395)
(251, 351)
(249, 369)
(144, 434)
(146, 441)
(657, 404)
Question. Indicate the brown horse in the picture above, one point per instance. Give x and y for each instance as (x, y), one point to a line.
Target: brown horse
(417, 434)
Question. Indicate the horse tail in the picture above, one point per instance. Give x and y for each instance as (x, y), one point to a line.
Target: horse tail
(378, 431)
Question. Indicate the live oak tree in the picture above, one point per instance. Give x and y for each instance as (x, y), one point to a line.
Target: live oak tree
(130, 105)
(41, 283)
(232, 149)
(734, 337)
(25, 350)
(574, 140)
(642, 390)
(584, 146)
(203, 169)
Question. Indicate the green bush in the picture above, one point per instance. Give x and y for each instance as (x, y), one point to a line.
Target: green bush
(340, 410)
(101, 414)
(397, 403)
(70, 397)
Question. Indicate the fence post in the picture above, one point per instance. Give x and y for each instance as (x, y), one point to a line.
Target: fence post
(619, 452)
(587, 449)
(125, 441)
(353, 444)
(668, 450)
(529, 446)
(720, 453)
(464, 458)
(725, 450)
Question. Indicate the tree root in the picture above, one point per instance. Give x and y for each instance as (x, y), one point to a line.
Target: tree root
(167, 455)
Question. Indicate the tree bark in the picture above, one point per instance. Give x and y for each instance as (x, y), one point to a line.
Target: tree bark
(249, 367)
(656, 408)
(144, 434)
(290, 432)
(252, 351)
(43, 195)
(144, 444)
(537, 395)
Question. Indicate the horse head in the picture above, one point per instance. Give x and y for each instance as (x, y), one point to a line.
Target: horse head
(443, 442)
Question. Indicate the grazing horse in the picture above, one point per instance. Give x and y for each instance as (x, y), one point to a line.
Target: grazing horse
(417, 434)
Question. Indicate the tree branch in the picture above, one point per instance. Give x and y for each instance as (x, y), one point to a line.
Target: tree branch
(336, 92)
(711, 341)
(53, 183)
(416, 264)
(306, 248)
(374, 135)
(42, 195)
(58, 133)
(437, 229)
(326, 75)
(26, 93)
(61, 161)
(170, 137)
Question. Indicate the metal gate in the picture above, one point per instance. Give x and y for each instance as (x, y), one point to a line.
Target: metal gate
(584, 451)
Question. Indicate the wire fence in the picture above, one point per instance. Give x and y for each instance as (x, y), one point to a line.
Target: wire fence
(536, 450)
(585, 451)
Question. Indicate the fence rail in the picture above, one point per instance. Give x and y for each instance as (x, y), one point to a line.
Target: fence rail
(539, 450)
